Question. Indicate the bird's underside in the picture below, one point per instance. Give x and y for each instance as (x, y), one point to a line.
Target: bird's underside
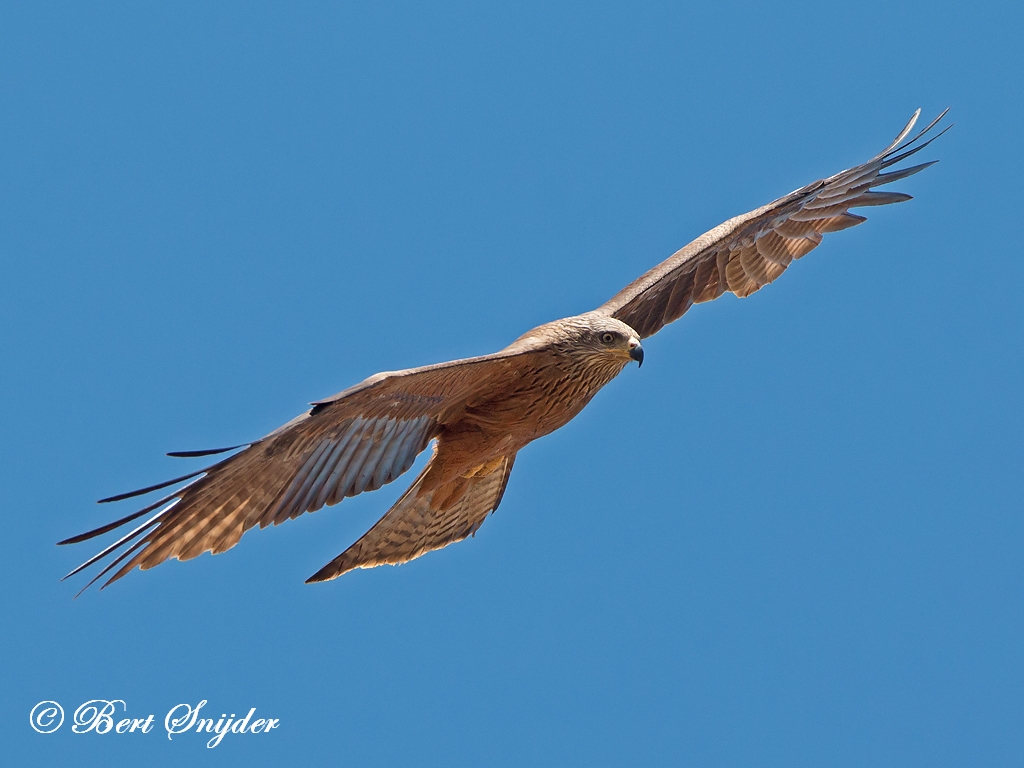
(478, 412)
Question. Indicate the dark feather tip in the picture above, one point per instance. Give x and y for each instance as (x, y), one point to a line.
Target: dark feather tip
(158, 486)
(207, 452)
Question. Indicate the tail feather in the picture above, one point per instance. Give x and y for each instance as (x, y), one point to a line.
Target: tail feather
(421, 521)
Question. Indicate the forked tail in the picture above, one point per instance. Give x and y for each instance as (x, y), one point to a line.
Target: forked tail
(424, 520)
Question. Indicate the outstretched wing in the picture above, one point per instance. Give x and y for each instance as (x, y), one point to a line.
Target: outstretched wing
(752, 250)
(355, 441)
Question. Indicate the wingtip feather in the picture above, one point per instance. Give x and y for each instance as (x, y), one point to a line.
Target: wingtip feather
(149, 489)
(205, 452)
(907, 128)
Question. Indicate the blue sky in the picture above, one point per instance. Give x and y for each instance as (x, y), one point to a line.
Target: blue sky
(792, 539)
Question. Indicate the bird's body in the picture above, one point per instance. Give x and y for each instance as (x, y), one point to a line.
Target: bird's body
(479, 412)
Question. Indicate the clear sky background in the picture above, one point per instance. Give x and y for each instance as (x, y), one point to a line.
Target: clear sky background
(794, 538)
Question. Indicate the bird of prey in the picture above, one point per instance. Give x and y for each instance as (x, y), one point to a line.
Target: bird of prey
(481, 411)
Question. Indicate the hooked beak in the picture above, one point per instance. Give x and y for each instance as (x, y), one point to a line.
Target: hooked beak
(636, 352)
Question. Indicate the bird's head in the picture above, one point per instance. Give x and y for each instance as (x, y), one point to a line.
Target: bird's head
(600, 338)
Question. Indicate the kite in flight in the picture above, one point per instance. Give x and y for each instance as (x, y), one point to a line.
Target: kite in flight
(480, 411)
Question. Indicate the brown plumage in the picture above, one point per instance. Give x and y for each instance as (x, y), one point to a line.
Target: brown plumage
(479, 411)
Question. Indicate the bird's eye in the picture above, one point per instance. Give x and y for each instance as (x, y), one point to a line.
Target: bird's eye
(607, 337)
